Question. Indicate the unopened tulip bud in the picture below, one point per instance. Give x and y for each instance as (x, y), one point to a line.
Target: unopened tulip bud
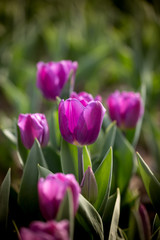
(89, 188)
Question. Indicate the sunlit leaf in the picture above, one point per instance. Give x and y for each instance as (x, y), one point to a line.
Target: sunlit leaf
(115, 218)
(103, 177)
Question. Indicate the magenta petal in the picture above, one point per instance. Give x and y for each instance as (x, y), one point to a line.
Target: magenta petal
(89, 123)
(113, 103)
(73, 110)
(64, 124)
(33, 126)
(46, 231)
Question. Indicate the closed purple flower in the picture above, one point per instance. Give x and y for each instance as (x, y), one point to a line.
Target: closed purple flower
(33, 126)
(51, 192)
(79, 124)
(85, 97)
(52, 76)
(126, 108)
(50, 230)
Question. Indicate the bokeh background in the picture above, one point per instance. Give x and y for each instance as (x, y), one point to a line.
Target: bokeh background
(117, 46)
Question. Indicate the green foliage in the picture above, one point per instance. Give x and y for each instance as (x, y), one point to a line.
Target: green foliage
(28, 188)
(151, 184)
(4, 201)
(89, 218)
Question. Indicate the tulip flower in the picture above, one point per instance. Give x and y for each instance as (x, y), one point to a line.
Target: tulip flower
(46, 231)
(52, 190)
(85, 97)
(52, 76)
(126, 108)
(33, 126)
(79, 124)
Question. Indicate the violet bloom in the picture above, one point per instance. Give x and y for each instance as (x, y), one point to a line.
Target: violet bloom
(126, 108)
(52, 76)
(33, 126)
(85, 97)
(51, 192)
(79, 124)
(50, 230)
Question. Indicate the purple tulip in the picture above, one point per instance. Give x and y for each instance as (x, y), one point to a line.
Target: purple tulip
(85, 97)
(79, 124)
(33, 126)
(51, 192)
(50, 230)
(126, 108)
(52, 76)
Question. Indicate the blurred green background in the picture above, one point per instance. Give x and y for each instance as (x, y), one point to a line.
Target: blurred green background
(117, 46)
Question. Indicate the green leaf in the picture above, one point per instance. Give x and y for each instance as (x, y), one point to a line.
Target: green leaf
(52, 159)
(103, 177)
(123, 165)
(115, 218)
(108, 212)
(156, 228)
(43, 172)
(55, 134)
(69, 158)
(151, 184)
(21, 148)
(86, 158)
(28, 196)
(109, 138)
(66, 211)
(89, 218)
(9, 135)
(4, 201)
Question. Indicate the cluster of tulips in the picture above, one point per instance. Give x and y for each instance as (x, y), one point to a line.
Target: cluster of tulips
(81, 191)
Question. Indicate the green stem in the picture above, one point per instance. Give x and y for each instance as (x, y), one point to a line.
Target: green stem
(80, 164)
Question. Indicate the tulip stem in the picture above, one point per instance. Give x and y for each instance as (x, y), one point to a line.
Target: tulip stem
(80, 164)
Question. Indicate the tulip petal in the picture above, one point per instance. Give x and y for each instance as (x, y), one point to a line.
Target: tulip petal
(69, 112)
(89, 123)
(47, 81)
(113, 103)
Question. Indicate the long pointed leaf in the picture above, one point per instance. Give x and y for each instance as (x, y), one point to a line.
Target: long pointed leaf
(89, 218)
(28, 196)
(115, 218)
(151, 184)
(103, 177)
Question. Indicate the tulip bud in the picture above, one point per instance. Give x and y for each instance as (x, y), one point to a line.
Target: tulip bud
(126, 108)
(52, 76)
(79, 124)
(33, 126)
(52, 190)
(89, 188)
(46, 230)
(85, 97)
